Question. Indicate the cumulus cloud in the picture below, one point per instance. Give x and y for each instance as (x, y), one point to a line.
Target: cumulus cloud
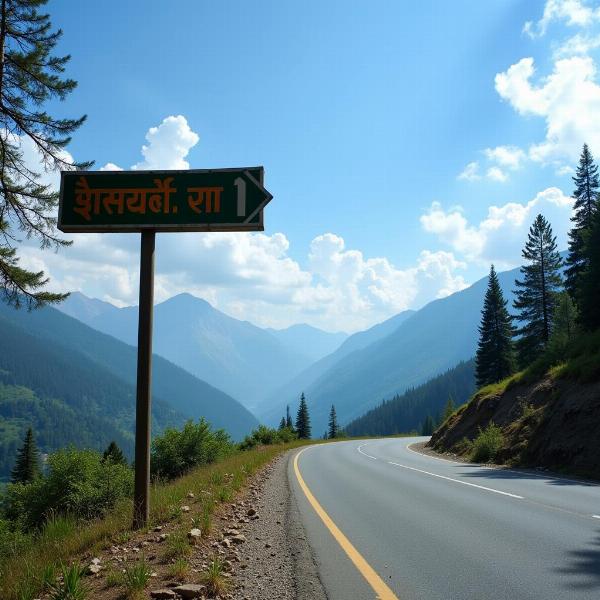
(496, 174)
(499, 237)
(506, 156)
(571, 12)
(568, 100)
(470, 172)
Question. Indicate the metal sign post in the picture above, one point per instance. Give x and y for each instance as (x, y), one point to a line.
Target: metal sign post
(149, 202)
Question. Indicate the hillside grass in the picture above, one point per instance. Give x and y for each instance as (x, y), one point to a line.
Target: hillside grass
(25, 558)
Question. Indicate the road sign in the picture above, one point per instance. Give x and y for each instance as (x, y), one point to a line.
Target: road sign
(133, 201)
(150, 202)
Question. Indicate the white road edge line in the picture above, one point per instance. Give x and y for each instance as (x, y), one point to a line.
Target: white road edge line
(595, 516)
(454, 462)
(364, 453)
(481, 487)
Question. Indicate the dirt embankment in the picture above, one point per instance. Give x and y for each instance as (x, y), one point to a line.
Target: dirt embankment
(551, 423)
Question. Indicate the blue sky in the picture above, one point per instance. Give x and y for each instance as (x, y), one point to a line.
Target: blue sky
(364, 115)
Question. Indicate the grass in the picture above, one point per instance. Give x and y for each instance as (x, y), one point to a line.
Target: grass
(214, 579)
(178, 546)
(62, 540)
(135, 578)
(72, 585)
(180, 569)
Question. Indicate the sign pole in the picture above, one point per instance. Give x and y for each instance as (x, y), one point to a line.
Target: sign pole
(141, 499)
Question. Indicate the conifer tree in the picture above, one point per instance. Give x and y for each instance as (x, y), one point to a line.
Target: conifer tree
(586, 199)
(449, 408)
(303, 420)
(27, 466)
(495, 354)
(564, 324)
(588, 290)
(29, 77)
(282, 423)
(333, 424)
(114, 454)
(536, 294)
(288, 418)
(428, 426)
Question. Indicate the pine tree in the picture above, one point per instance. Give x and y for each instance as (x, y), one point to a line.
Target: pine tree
(588, 290)
(114, 454)
(428, 426)
(288, 418)
(586, 199)
(449, 408)
(29, 77)
(495, 354)
(282, 423)
(536, 294)
(27, 466)
(564, 324)
(333, 424)
(303, 420)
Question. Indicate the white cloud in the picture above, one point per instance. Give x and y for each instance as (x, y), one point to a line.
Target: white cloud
(568, 100)
(470, 172)
(506, 156)
(572, 12)
(110, 167)
(579, 44)
(499, 237)
(496, 174)
(168, 145)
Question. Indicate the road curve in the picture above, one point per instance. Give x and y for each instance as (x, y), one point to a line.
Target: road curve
(431, 529)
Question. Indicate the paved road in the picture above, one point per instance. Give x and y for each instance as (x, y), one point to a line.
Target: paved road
(437, 530)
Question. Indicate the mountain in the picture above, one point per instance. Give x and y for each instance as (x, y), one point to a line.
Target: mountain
(235, 356)
(273, 406)
(49, 357)
(406, 412)
(430, 341)
(309, 341)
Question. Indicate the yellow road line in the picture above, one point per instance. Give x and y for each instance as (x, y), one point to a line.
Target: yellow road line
(381, 589)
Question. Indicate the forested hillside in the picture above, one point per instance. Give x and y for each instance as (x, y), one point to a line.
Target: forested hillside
(72, 379)
(407, 412)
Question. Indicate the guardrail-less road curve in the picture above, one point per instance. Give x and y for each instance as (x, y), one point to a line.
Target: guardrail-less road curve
(385, 521)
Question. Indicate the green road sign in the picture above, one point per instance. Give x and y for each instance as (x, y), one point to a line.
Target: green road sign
(194, 200)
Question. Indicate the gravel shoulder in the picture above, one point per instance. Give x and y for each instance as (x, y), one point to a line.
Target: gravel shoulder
(277, 561)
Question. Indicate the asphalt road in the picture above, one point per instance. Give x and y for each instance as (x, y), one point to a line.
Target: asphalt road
(431, 529)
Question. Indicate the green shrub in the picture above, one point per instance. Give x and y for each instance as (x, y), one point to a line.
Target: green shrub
(487, 443)
(175, 452)
(79, 483)
(266, 436)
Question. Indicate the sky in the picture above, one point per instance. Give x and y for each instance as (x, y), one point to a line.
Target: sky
(407, 145)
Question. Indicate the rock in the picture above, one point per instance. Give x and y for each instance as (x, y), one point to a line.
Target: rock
(190, 495)
(226, 542)
(158, 528)
(190, 590)
(163, 594)
(185, 508)
(145, 543)
(94, 569)
(231, 532)
(95, 561)
(162, 537)
(267, 545)
(251, 512)
(238, 539)
(194, 534)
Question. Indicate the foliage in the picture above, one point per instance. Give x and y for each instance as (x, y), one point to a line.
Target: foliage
(114, 454)
(214, 579)
(79, 483)
(288, 418)
(586, 200)
(303, 420)
(588, 286)
(564, 331)
(487, 443)
(407, 412)
(428, 426)
(448, 409)
(71, 585)
(333, 428)
(265, 436)
(30, 76)
(495, 355)
(175, 452)
(136, 577)
(536, 294)
(27, 466)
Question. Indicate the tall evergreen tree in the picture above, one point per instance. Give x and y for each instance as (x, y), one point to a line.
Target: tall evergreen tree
(303, 420)
(333, 424)
(114, 454)
(288, 418)
(282, 423)
(537, 294)
(449, 408)
(495, 354)
(428, 426)
(586, 199)
(588, 289)
(27, 466)
(29, 77)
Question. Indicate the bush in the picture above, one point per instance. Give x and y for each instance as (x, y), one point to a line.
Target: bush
(266, 436)
(175, 452)
(487, 443)
(79, 483)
